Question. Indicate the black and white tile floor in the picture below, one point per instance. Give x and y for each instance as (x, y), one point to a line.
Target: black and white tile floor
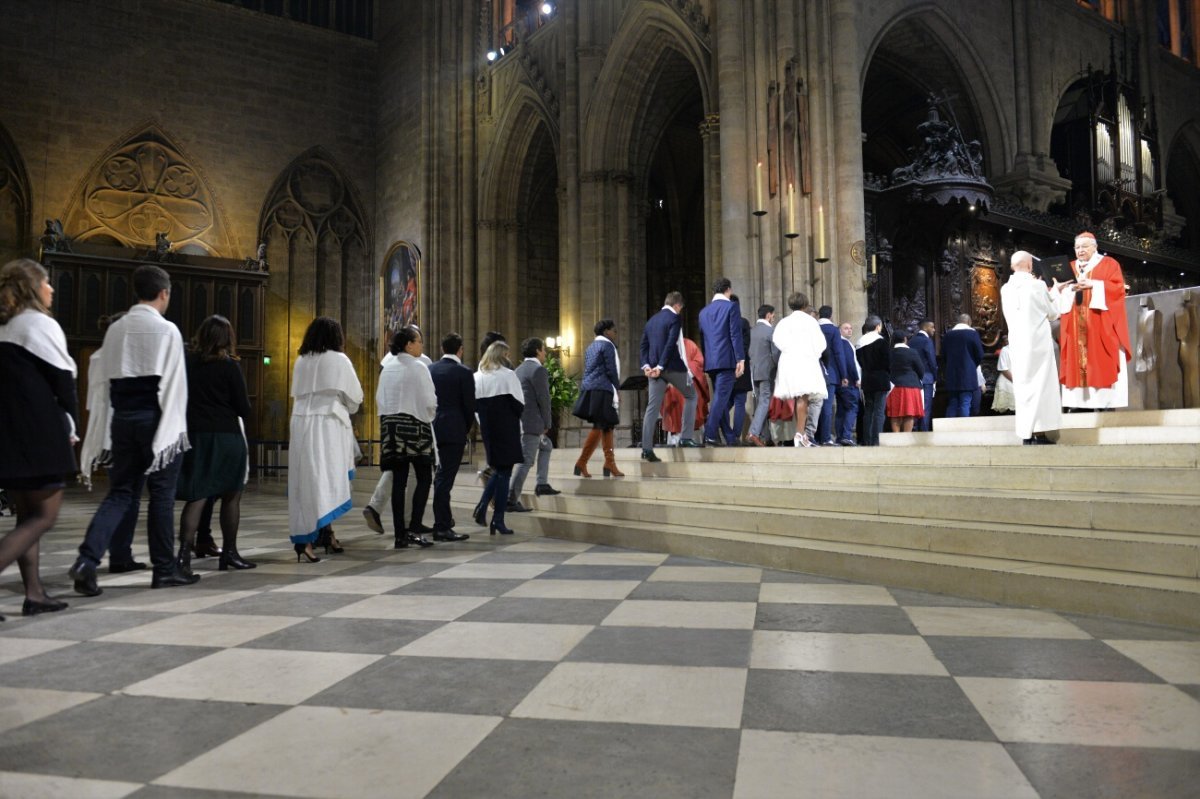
(534, 667)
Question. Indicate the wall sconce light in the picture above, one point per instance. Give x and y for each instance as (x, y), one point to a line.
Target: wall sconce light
(560, 344)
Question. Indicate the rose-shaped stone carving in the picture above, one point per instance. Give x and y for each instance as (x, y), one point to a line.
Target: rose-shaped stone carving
(179, 181)
(121, 173)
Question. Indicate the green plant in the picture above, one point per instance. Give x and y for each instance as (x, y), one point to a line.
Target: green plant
(563, 388)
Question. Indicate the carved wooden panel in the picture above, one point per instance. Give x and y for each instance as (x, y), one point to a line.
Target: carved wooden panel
(985, 304)
(142, 187)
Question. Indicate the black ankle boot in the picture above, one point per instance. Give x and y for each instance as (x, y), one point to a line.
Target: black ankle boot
(205, 546)
(232, 559)
(183, 561)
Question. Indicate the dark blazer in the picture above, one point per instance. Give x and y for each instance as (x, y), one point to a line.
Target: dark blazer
(907, 368)
(535, 385)
(743, 383)
(660, 342)
(839, 364)
(848, 357)
(721, 329)
(600, 367)
(876, 362)
(923, 346)
(764, 358)
(962, 353)
(500, 428)
(454, 385)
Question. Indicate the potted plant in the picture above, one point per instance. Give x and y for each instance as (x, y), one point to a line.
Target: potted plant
(563, 393)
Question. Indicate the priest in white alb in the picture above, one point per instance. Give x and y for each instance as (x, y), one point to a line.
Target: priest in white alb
(1028, 311)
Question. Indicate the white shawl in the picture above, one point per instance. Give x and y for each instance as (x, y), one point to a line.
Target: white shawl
(406, 387)
(97, 442)
(38, 334)
(324, 384)
(144, 344)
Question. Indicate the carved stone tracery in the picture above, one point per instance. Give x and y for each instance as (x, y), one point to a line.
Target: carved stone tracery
(144, 187)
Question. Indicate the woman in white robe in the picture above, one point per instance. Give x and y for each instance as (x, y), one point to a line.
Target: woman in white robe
(1028, 311)
(325, 391)
(799, 376)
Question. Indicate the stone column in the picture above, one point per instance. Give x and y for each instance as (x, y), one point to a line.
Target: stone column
(710, 138)
(569, 229)
(849, 217)
(736, 256)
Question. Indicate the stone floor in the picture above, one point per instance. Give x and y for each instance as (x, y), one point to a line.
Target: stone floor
(533, 667)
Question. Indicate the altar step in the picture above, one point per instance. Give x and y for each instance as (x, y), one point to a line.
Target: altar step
(1176, 426)
(1109, 530)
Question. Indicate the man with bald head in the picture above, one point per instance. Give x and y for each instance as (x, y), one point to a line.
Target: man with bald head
(1028, 311)
(962, 350)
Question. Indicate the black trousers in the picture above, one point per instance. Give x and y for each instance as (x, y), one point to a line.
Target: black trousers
(450, 456)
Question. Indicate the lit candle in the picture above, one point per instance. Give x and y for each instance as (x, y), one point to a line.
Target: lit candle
(872, 263)
(758, 194)
(820, 231)
(791, 208)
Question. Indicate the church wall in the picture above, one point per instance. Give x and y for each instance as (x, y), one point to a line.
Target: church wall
(241, 93)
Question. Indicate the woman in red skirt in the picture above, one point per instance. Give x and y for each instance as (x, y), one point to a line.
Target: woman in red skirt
(905, 403)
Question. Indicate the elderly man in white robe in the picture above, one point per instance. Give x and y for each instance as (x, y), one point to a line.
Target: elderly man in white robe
(1029, 310)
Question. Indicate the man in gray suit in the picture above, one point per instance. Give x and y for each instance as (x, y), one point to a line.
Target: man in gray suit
(536, 420)
(763, 360)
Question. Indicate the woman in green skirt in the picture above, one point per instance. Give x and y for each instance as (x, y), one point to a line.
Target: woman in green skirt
(216, 465)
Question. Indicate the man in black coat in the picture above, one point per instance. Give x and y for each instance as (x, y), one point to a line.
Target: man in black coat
(921, 343)
(962, 351)
(455, 388)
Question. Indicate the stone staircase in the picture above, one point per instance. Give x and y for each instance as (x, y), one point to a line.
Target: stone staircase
(1104, 528)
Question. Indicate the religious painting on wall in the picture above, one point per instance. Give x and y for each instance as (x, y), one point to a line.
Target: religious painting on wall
(985, 303)
(401, 287)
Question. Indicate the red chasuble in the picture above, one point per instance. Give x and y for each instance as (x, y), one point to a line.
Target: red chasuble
(1091, 341)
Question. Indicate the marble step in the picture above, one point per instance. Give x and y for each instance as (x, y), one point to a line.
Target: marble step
(1156, 599)
(1178, 417)
(1148, 553)
(1068, 437)
(1096, 480)
(1158, 514)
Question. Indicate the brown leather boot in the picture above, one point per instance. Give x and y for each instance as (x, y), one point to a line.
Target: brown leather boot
(610, 458)
(589, 446)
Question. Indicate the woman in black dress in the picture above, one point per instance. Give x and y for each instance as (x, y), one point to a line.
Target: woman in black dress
(216, 465)
(38, 409)
(499, 401)
(874, 358)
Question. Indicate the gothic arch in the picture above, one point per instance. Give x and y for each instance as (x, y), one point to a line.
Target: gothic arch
(1181, 176)
(319, 252)
(941, 50)
(501, 175)
(146, 185)
(649, 32)
(15, 200)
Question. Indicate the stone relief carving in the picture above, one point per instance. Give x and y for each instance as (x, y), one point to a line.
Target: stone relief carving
(985, 304)
(14, 198)
(142, 188)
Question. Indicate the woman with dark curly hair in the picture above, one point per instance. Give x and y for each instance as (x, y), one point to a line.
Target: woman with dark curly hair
(37, 420)
(406, 402)
(598, 398)
(325, 391)
(216, 465)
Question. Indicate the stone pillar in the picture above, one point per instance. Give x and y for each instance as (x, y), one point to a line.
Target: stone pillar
(569, 229)
(710, 137)
(736, 257)
(849, 218)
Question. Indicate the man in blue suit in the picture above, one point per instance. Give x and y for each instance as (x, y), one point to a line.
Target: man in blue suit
(724, 352)
(962, 350)
(921, 342)
(848, 394)
(454, 384)
(839, 373)
(664, 364)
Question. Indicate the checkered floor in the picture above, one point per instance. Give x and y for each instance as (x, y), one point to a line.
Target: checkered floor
(532, 667)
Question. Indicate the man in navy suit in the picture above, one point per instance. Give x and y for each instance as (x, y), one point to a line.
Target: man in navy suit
(848, 394)
(455, 388)
(724, 353)
(962, 350)
(664, 364)
(839, 373)
(921, 342)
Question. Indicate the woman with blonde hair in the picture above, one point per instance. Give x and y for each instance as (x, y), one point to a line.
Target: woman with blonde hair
(499, 401)
(38, 408)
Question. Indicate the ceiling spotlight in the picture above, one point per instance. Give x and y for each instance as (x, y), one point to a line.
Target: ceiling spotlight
(547, 8)
(492, 55)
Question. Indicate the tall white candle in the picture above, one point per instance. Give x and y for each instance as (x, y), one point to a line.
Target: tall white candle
(820, 231)
(791, 208)
(758, 192)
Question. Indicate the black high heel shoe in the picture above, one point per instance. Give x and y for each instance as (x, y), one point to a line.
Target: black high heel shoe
(481, 514)
(328, 540)
(494, 528)
(232, 559)
(302, 549)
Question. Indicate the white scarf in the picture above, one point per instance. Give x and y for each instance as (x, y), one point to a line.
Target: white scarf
(867, 338)
(617, 359)
(97, 442)
(144, 344)
(406, 387)
(39, 335)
